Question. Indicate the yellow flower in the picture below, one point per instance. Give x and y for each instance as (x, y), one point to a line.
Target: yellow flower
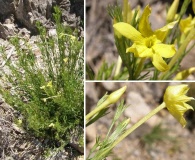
(49, 84)
(51, 125)
(148, 43)
(72, 38)
(42, 87)
(187, 24)
(175, 100)
(65, 59)
(44, 99)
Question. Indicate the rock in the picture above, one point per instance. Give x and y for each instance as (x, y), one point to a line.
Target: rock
(91, 135)
(75, 139)
(77, 7)
(9, 158)
(110, 86)
(146, 2)
(27, 13)
(17, 129)
(7, 7)
(24, 33)
(138, 109)
(7, 30)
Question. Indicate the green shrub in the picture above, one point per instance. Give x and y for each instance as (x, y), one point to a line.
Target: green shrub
(47, 89)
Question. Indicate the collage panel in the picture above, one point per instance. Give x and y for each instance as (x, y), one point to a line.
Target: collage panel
(140, 40)
(42, 80)
(140, 120)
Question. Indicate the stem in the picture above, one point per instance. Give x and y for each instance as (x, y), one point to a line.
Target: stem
(180, 51)
(190, 48)
(96, 110)
(135, 126)
(118, 66)
(125, 10)
(140, 67)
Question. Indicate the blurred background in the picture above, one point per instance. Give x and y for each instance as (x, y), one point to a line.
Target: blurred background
(99, 32)
(160, 138)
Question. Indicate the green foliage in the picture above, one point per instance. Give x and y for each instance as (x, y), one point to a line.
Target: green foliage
(47, 89)
(100, 114)
(103, 148)
(105, 72)
(157, 134)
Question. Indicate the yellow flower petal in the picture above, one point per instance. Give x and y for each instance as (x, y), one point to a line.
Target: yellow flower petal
(132, 49)
(148, 52)
(178, 113)
(144, 24)
(162, 32)
(159, 63)
(177, 91)
(165, 50)
(49, 84)
(65, 59)
(42, 87)
(184, 98)
(187, 24)
(140, 50)
(128, 31)
(175, 100)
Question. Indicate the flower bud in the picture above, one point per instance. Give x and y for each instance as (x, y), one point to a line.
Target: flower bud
(172, 11)
(184, 74)
(114, 97)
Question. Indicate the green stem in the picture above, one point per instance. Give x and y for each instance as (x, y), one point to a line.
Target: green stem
(140, 67)
(135, 126)
(96, 110)
(125, 10)
(181, 50)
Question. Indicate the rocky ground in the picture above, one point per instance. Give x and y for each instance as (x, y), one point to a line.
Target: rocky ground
(100, 43)
(175, 144)
(19, 18)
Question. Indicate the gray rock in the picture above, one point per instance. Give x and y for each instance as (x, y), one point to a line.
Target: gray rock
(7, 30)
(7, 7)
(138, 109)
(27, 12)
